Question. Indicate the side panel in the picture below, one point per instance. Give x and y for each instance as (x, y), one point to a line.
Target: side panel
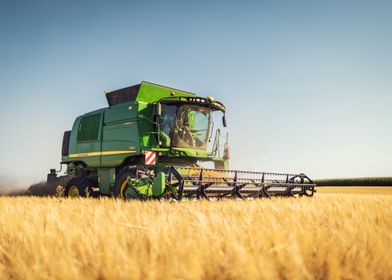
(120, 134)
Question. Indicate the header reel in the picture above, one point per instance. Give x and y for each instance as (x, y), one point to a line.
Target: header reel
(211, 183)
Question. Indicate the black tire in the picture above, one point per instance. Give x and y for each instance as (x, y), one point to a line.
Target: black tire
(122, 176)
(76, 184)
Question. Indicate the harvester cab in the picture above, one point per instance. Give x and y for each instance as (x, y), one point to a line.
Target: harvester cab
(192, 127)
(154, 141)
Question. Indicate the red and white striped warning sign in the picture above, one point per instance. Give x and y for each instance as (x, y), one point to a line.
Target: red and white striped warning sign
(150, 158)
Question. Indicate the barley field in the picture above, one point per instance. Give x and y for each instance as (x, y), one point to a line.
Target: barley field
(330, 236)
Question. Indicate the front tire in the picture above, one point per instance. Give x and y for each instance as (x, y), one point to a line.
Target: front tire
(121, 183)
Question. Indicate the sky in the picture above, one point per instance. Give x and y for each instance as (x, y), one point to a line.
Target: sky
(307, 84)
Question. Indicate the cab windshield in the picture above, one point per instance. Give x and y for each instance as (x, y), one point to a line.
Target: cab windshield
(185, 126)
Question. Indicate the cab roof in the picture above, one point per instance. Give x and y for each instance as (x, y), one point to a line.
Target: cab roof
(145, 92)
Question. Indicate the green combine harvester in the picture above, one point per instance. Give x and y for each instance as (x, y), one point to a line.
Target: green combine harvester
(158, 142)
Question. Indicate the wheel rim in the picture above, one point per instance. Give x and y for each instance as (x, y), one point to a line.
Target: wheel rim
(73, 192)
(122, 189)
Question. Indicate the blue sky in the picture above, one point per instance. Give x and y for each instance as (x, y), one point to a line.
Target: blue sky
(307, 84)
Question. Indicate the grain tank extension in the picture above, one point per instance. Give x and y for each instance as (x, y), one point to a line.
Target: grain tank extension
(154, 141)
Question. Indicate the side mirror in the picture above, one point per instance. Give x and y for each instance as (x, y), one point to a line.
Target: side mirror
(224, 121)
(158, 109)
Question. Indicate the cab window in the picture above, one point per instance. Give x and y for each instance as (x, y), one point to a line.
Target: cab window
(89, 128)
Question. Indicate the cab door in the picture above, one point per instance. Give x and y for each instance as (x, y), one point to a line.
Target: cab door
(87, 141)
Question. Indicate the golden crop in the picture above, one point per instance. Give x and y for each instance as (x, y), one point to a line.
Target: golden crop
(356, 190)
(328, 236)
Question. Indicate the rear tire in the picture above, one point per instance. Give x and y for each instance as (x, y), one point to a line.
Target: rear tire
(75, 188)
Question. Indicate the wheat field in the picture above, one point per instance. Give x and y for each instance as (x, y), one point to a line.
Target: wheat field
(326, 237)
(355, 190)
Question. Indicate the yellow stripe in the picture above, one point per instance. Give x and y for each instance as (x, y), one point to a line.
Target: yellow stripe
(104, 153)
(108, 153)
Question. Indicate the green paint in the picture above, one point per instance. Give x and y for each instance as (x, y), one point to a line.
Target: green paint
(158, 187)
(140, 189)
(106, 178)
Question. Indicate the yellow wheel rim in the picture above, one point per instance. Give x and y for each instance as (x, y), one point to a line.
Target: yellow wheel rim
(73, 192)
(122, 189)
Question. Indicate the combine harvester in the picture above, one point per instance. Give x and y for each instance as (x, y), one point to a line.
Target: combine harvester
(158, 142)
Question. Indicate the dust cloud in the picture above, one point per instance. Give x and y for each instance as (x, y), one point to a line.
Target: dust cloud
(9, 188)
